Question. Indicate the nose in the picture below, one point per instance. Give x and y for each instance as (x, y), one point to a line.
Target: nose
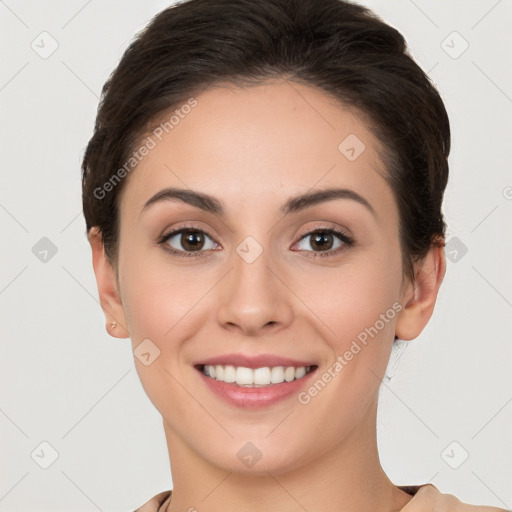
(254, 298)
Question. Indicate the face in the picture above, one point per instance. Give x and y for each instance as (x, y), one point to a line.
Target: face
(260, 267)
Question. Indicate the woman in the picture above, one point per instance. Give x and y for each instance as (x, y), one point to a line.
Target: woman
(263, 197)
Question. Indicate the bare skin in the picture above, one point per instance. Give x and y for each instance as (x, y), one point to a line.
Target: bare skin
(252, 149)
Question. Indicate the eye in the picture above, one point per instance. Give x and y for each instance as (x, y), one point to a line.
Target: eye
(190, 241)
(323, 242)
(186, 241)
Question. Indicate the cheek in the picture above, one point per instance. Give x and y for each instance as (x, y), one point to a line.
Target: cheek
(351, 298)
(356, 307)
(158, 297)
(167, 304)
(162, 304)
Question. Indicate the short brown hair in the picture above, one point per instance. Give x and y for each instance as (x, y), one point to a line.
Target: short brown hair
(335, 45)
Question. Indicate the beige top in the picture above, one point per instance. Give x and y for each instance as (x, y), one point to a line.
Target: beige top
(426, 498)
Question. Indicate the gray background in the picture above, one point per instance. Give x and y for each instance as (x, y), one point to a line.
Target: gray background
(65, 382)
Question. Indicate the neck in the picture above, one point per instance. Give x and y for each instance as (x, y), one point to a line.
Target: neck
(348, 477)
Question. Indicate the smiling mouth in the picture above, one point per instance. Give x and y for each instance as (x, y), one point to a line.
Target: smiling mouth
(265, 376)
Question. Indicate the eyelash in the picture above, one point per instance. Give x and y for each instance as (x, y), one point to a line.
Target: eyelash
(347, 241)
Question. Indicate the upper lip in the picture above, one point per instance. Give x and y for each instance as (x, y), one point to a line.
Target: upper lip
(257, 361)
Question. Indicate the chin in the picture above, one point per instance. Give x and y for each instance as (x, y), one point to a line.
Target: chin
(256, 457)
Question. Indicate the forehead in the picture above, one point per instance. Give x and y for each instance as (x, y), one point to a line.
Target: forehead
(259, 144)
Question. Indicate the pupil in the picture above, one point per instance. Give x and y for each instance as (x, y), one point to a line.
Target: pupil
(193, 240)
(318, 241)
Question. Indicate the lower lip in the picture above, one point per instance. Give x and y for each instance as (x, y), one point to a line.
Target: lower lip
(255, 397)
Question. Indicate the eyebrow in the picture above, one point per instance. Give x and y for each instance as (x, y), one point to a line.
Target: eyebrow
(294, 204)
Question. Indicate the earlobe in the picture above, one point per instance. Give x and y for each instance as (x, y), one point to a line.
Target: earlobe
(106, 282)
(419, 298)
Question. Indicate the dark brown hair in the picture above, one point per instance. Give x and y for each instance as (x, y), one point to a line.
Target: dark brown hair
(339, 47)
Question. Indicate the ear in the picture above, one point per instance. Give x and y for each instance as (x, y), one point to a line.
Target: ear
(419, 297)
(106, 281)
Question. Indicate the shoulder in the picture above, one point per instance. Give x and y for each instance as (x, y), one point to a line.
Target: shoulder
(428, 498)
(156, 503)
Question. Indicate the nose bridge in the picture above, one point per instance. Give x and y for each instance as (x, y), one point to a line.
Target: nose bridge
(252, 297)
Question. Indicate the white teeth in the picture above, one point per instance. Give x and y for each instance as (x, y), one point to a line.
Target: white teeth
(219, 372)
(289, 374)
(300, 372)
(277, 374)
(248, 377)
(229, 374)
(261, 376)
(244, 376)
